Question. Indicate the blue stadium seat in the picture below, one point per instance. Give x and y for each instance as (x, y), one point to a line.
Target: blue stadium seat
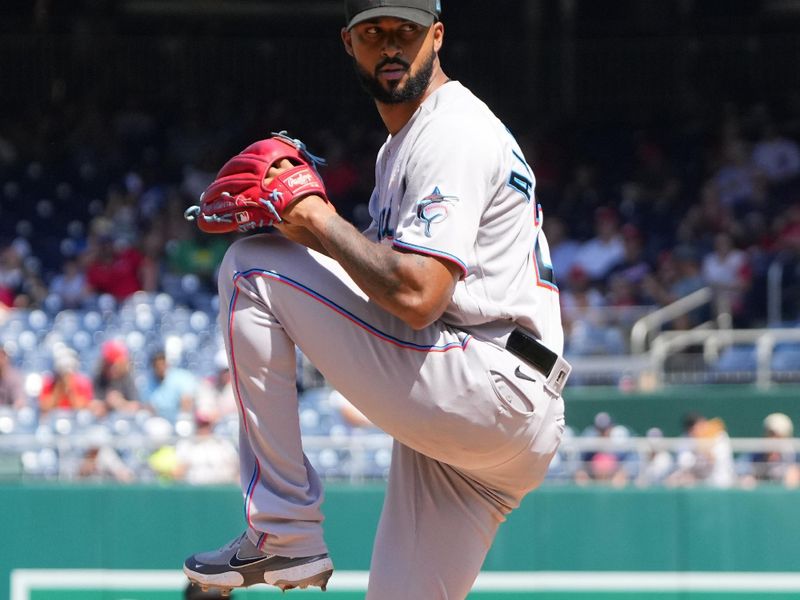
(786, 357)
(38, 320)
(737, 359)
(200, 321)
(785, 362)
(52, 304)
(310, 421)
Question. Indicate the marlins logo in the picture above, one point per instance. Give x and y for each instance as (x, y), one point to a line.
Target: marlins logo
(433, 208)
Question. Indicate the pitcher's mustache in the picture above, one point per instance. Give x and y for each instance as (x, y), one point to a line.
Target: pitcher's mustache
(392, 61)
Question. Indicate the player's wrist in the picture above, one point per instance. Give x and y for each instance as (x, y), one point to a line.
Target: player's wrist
(311, 212)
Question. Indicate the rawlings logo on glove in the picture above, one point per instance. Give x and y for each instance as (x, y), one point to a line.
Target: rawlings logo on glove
(240, 199)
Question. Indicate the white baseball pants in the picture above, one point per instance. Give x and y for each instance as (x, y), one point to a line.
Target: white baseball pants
(471, 437)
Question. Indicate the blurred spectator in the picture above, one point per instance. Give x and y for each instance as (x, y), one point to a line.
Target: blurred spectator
(586, 327)
(101, 462)
(658, 462)
(153, 264)
(114, 385)
(598, 255)
(787, 249)
(70, 285)
(205, 458)
(563, 249)
(11, 274)
(113, 267)
(776, 466)
(66, 388)
(11, 389)
(689, 277)
(162, 461)
(707, 457)
(728, 272)
(652, 194)
(776, 157)
(581, 196)
(678, 275)
(171, 390)
(787, 231)
(626, 278)
(704, 219)
(215, 394)
(605, 465)
(735, 179)
(197, 253)
(34, 290)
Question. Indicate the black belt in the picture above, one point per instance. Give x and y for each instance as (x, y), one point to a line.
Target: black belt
(524, 345)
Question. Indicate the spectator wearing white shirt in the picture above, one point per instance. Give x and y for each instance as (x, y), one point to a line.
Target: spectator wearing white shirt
(70, 285)
(598, 255)
(205, 458)
(563, 248)
(775, 157)
(727, 270)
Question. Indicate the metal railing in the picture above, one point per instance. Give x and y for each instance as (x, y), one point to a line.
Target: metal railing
(712, 342)
(357, 452)
(644, 329)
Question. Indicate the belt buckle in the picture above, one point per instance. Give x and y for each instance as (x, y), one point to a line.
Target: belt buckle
(558, 377)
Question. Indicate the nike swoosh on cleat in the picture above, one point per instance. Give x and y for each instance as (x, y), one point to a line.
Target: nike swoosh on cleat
(238, 563)
(522, 375)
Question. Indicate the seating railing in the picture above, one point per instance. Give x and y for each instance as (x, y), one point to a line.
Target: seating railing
(358, 449)
(712, 341)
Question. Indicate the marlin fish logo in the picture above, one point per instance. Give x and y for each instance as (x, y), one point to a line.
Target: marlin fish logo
(433, 208)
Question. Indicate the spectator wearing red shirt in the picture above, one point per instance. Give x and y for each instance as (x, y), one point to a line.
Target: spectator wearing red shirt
(66, 388)
(114, 268)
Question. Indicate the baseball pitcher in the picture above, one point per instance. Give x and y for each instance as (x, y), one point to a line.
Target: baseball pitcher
(440, 323)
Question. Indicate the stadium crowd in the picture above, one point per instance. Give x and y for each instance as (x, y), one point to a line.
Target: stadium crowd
(92, 225)
(93, 203)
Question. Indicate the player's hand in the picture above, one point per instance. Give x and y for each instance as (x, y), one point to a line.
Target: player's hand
(299, 214)
(243, 196)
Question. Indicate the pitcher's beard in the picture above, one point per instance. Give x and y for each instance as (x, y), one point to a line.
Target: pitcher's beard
(413, 88)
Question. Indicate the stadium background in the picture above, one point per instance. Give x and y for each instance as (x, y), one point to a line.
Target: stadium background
(116, 111)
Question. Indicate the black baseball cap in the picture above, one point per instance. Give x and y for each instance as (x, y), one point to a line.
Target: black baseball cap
(423, 12)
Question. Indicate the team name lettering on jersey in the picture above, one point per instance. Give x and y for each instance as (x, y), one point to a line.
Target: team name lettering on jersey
(519, 181)
(385, 230)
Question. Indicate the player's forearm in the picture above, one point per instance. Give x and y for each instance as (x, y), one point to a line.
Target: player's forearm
(394, 280)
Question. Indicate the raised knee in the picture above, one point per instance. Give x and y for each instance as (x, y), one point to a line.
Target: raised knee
(240, 256)
(257, 252)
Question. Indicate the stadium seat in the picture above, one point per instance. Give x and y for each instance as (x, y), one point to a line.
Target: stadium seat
(785, 362)
(737, 358)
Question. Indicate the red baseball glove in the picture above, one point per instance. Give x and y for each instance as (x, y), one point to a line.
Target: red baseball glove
(239, 199)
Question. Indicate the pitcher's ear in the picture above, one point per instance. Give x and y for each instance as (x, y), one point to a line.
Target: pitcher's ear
(347, 40)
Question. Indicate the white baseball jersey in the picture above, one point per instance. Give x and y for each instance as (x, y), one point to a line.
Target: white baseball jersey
(475, 426)
(453, 183)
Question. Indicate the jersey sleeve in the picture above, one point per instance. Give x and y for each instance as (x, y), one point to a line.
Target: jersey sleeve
(448, 183)
(371, 232)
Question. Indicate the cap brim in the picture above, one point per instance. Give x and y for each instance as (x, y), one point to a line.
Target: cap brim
(416, 15)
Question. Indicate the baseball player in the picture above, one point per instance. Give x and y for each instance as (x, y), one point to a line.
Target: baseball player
(440, 323)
